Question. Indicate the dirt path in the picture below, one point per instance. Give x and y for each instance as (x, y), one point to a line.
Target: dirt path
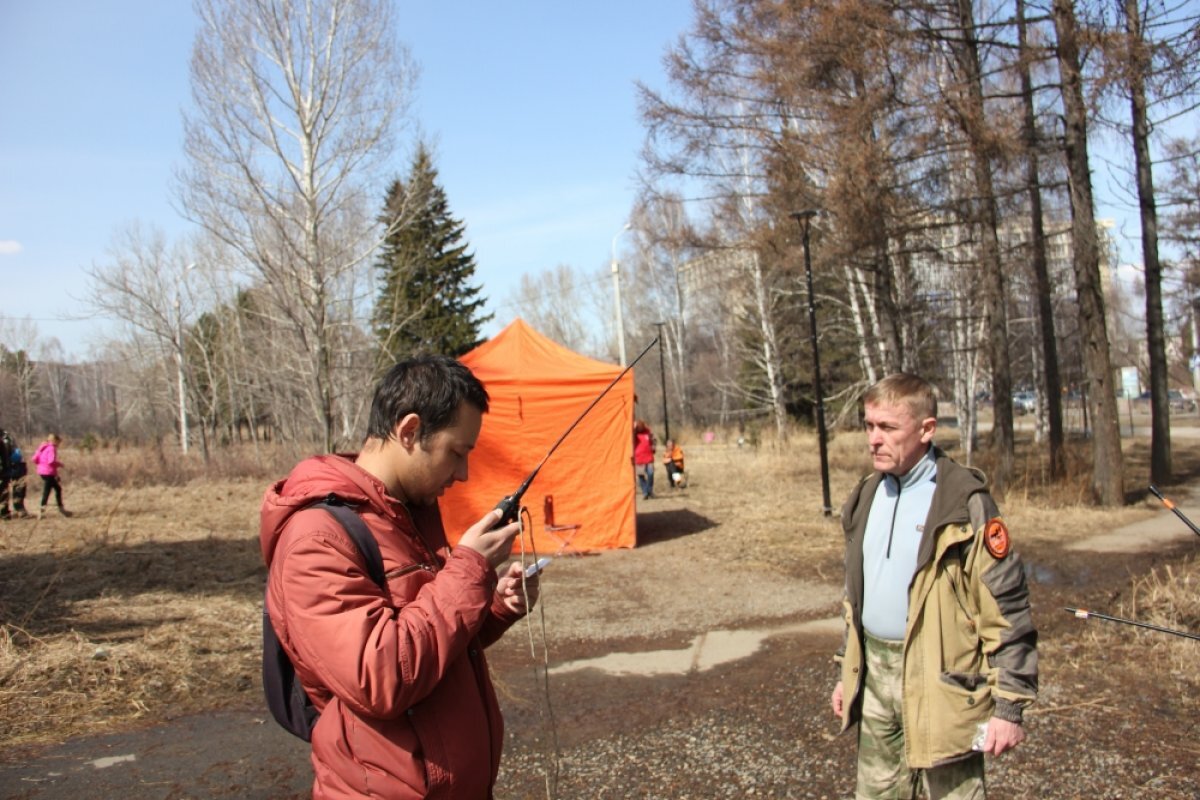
(1162, 530)
(231, 754)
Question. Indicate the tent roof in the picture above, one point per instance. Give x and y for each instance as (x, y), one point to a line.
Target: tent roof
(519, 354)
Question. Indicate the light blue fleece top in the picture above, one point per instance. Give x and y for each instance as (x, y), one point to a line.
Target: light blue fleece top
(890, 542)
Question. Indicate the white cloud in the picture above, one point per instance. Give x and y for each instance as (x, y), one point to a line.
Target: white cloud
(9, 247)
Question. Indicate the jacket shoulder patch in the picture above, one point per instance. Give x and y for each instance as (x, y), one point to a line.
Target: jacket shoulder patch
(995, 538)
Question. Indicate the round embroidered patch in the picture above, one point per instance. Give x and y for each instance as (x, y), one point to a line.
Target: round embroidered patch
(995, 538)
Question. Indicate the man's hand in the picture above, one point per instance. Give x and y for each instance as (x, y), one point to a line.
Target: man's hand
(836, 700)
(511, 593)
(1002, 735)
(495, 544)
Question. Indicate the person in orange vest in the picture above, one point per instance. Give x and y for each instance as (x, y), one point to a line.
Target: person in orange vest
(673, 462)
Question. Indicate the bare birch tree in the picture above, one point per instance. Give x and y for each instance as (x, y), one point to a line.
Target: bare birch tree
(558, 303)
(18, 339)
(296, 106)
(666, 243)
(144, 284)
(1182, 194)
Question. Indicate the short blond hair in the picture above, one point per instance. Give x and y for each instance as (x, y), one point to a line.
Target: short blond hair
(902, 387)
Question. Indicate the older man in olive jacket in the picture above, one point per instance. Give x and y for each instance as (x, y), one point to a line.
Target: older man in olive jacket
(940, 657)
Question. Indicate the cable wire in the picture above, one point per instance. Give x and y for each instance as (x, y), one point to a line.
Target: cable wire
(553, 769)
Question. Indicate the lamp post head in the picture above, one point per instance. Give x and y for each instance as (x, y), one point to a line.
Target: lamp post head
(805, 215)
(624, 228)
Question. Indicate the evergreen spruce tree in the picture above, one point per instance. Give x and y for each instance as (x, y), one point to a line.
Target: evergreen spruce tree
(426, 302)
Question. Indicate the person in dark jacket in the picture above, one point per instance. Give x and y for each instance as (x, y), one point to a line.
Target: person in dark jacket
(407, 707)
(6, 446)
(17, 471)
(940, 655)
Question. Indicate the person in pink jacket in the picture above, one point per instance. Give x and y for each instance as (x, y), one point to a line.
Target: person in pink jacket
(407, 707)
(45, 460)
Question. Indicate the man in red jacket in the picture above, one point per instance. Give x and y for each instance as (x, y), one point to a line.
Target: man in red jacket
(406, 701)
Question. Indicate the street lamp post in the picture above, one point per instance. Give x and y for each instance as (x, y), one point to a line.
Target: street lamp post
(616, 275)
(180, 354)
(662, 372)
(804, 218)
(1194, 361)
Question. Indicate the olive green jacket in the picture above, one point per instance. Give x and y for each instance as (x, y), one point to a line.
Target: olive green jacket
(970, 648)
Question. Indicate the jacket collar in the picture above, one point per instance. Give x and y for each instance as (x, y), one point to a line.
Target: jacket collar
(956, 484)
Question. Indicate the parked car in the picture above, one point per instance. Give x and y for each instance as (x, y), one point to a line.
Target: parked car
(1176, 401)
(1024, 402)
(1179, 401)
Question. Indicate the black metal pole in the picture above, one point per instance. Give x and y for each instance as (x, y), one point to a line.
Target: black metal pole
(805, 218)
(662, 373)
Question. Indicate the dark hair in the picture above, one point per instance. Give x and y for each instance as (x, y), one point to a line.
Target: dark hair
(432, 387)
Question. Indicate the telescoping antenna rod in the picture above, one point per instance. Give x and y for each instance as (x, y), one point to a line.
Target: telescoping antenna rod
(511, 504)
(1154, 490)
(1083, 613)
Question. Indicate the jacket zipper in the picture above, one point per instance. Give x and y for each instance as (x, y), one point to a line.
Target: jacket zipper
(895, 511)
(420, 538)
(396, 573)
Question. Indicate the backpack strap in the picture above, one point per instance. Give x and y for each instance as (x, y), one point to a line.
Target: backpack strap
(359, 533)
(286, 698)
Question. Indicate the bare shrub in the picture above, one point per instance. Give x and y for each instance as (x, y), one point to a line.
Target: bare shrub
(1168, 597)
(162, 465)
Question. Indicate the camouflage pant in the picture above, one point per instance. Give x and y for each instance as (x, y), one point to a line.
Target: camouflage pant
(882, 771)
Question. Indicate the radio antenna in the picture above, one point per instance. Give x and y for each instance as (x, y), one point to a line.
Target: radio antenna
(1174, 508)
(1083, 613)
(511, 504)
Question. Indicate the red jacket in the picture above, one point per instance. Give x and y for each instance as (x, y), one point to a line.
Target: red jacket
(643, 448)
(407, 705)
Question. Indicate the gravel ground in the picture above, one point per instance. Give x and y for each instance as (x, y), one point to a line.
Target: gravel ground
(1106, 726)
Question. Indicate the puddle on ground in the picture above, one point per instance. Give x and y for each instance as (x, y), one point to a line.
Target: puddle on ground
(1049, 576)
(706, 651)
(1039, 573)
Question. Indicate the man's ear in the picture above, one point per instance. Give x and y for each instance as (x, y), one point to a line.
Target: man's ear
(928, 428)
(408, 431)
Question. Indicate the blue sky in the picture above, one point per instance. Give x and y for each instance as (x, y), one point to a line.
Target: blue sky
(530, 105)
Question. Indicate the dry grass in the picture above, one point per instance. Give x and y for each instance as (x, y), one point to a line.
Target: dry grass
(1168, 597)
(164, 465)
(146, 604)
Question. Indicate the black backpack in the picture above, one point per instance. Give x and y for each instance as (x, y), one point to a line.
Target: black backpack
(289, 703)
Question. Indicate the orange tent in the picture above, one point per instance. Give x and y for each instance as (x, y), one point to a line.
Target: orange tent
(537, 388)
